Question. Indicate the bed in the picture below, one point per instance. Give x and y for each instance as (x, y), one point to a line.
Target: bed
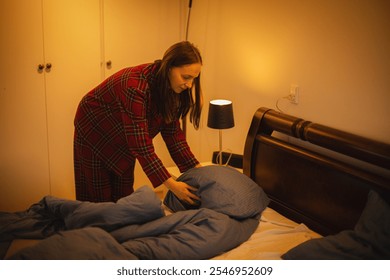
(322, 182)
(307, 191)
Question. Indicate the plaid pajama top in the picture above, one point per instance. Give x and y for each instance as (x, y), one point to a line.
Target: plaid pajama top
(118, 122)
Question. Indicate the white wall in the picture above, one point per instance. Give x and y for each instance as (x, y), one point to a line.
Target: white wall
(337, 51)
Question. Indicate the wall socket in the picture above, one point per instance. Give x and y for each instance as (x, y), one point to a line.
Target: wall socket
(294, 94)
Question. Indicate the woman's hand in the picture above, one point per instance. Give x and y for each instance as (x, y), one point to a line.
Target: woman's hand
(182, 191)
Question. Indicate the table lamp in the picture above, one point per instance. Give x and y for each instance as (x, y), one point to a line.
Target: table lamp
(220, 117)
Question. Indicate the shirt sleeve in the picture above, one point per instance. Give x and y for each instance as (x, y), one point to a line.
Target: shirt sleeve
(178, 147)
(135, 123)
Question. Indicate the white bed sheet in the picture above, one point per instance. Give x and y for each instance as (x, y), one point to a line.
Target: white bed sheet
(274, 236)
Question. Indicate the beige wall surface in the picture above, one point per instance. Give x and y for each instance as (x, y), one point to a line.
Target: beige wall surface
(337, 52)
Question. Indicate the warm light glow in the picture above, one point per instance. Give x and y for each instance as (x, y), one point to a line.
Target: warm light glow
(220, 102)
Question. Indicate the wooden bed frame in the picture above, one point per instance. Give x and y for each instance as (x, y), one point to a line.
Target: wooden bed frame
(312, 173)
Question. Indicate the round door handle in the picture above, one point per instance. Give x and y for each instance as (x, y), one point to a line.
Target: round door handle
(109, 64)
(41, 67)
(48, 66)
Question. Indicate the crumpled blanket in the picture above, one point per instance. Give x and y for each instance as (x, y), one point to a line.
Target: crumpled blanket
(133, 228)
(52, 214)
(190, 234)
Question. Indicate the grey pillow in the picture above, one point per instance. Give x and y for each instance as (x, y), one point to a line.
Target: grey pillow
(223, 189)
(370, 238)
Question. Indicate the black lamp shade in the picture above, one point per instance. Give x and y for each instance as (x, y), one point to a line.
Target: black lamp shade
(220, 114)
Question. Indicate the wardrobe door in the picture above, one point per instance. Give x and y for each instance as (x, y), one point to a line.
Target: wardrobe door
(137, 32)
(24, 166)
(72, 48)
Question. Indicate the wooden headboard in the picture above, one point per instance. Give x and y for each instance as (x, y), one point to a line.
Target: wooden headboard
(312, 173)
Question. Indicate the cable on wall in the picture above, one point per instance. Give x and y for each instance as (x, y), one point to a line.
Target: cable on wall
(188, 18)
(184, 120)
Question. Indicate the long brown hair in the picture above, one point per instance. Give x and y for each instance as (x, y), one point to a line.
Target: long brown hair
(170, 105)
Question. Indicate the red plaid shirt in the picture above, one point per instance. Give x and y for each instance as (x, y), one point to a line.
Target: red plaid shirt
(117, 119)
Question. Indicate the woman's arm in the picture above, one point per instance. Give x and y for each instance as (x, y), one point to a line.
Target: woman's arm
(178, 147)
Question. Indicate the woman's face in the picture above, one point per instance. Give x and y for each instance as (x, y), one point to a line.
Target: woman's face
(181, 78)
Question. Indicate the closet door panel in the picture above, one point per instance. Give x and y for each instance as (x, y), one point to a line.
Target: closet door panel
(72, 47)
(137, 32)
(24, 169)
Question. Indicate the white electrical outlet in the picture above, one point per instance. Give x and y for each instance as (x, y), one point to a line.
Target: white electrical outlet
(294, 94)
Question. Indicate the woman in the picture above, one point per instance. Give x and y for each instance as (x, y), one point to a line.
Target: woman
(116, 122)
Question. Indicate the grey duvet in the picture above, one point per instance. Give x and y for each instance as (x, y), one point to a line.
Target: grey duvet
(135, 227)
